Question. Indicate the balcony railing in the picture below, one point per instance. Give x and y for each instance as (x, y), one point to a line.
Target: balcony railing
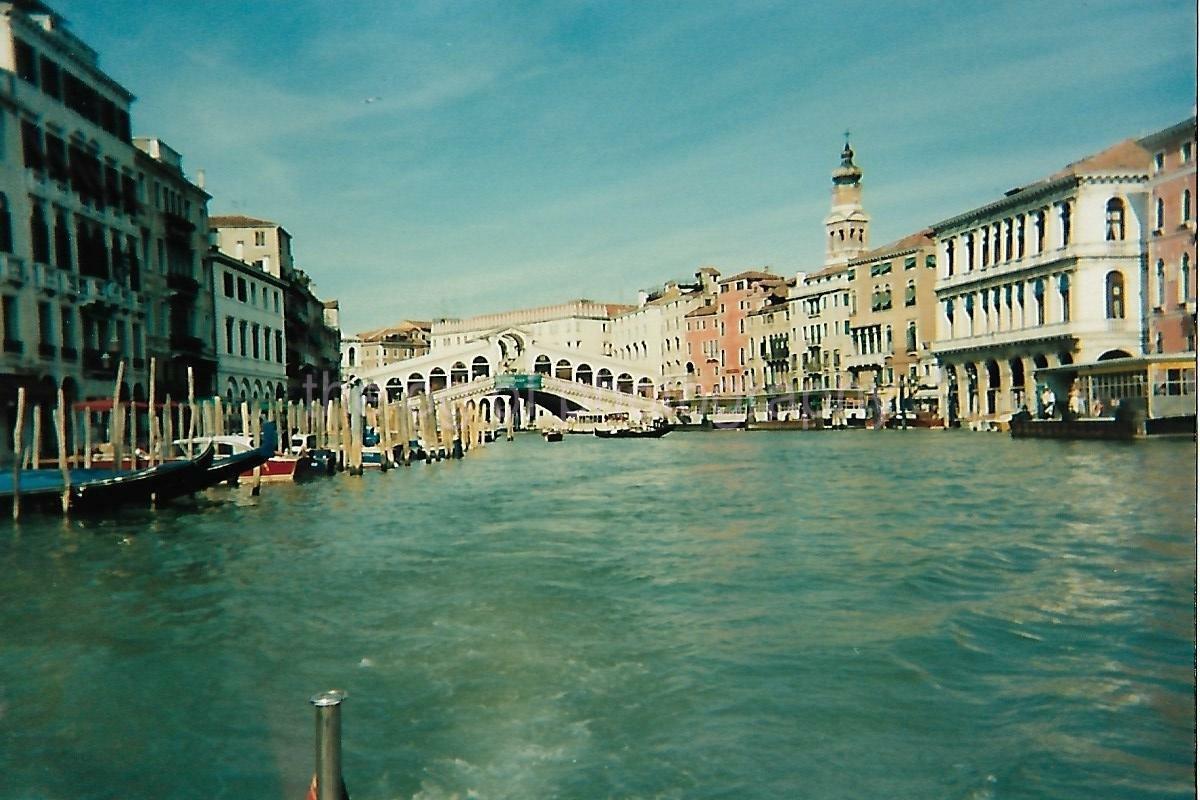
(185, 343)
(12, 270)
(181, 282)
(46, 279)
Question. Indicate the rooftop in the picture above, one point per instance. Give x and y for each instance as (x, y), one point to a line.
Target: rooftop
(238, 221)
(922, 238)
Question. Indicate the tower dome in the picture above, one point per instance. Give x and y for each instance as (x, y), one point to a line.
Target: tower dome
(848, 225)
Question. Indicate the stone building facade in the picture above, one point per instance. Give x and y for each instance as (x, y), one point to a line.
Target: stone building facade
(892, 318)
(250, 344)
(1049, 274)
(1171, 249)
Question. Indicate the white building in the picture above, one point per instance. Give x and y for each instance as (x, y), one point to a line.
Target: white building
(248, 303)
(1050, 274)
(581, 325)
(820, 332)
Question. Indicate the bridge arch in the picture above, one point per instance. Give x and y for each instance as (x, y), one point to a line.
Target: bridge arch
(480, 368)
(458, 373)
(416, 384)
(541, 365)
(625, 383)
(604, 378)
(584, 374)
(437, 379)
(562, 370)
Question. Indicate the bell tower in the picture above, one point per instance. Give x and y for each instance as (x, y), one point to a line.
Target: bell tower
(846, 227)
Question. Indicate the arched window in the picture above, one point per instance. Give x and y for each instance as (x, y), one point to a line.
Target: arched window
(970, 252)
(350, 357)
(1160, 283)
(1064, 217)
(1159, 214)
(1186, 205)
(910, 294)
(910, 336)
(1114, 221)
(1114, 295)
(1039, 229)
(1039, 299)
(1185, 278)
(887, 297)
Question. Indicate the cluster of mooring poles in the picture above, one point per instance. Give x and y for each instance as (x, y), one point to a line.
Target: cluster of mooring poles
(67, 443)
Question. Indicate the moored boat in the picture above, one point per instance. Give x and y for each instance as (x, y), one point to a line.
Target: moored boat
(655, 432)
(160, 483)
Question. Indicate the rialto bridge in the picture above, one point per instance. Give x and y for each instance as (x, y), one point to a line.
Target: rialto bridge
(498, 367)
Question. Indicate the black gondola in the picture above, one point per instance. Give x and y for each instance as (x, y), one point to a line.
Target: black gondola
(656, 432)
(162, 483)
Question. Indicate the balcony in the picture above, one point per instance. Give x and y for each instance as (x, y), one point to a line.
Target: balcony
(865, 360)
(183, 283)
(12, 270)
(46, 350)
(186, 344)
(46, 279)
(100, 291)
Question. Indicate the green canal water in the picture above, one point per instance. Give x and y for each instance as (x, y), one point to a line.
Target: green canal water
(728, 615)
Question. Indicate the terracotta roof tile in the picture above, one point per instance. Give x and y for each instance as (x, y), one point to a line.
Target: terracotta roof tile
(238, 221)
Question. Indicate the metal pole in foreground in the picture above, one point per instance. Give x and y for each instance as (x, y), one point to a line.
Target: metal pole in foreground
(329, 744)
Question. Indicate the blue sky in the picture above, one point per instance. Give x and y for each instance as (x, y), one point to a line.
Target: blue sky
(522, 153)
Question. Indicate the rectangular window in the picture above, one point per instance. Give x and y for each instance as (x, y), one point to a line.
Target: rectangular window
(910, 262)
(266, 344)
(31, 145)
(228, 280)
(67, 321)
(1185, 152)
(26, 61)
(260, 238)
(229, 335)
(137, 341)
(254, 294)
(46, 328)
(1158, 162)
(242, 336)
(279, 346)
(254, 340)
(241, 290)
(277, 302)
(12, 325)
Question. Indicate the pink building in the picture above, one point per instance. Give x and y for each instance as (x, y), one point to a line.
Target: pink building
(1171, 254)
(717, 333)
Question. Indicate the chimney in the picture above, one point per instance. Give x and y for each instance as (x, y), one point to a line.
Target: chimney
(643, 296)
(200, 178)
